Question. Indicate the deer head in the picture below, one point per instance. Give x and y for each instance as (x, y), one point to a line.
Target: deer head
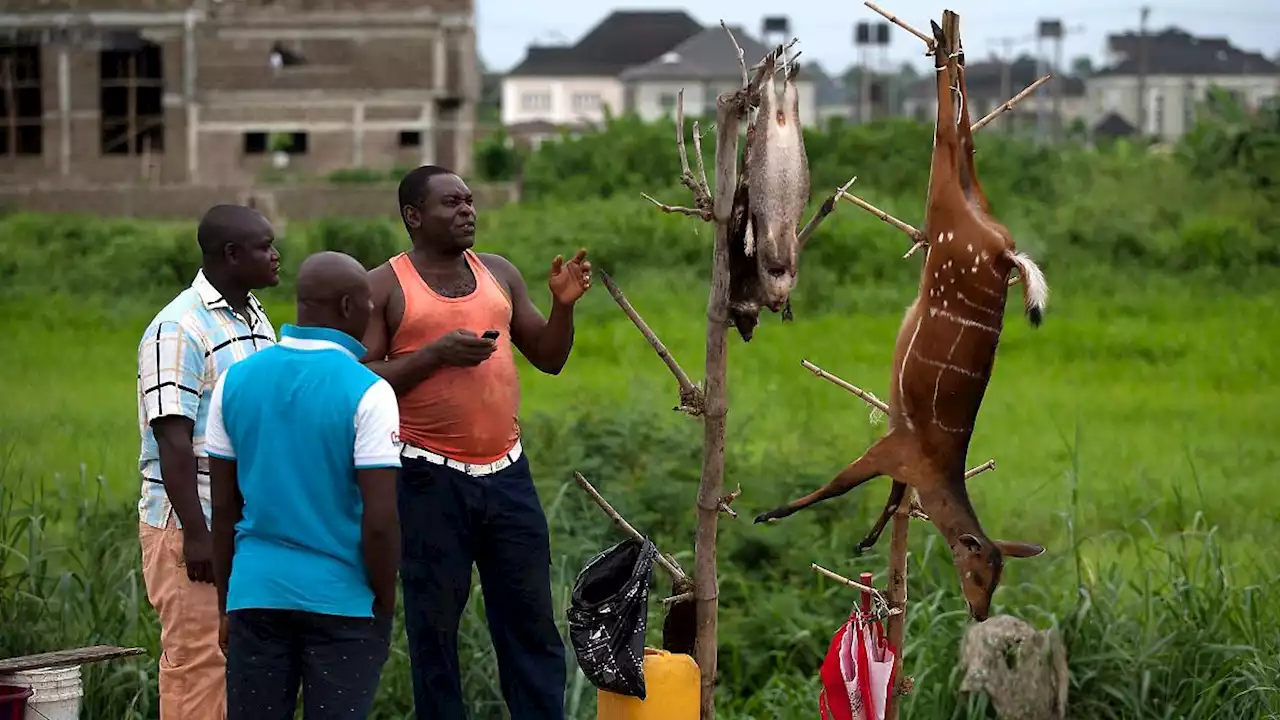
(980, 563)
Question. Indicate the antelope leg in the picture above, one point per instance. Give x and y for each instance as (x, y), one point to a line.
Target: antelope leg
(895, 499)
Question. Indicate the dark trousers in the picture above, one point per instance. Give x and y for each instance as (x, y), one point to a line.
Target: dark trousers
(449, 520)
(337, 660)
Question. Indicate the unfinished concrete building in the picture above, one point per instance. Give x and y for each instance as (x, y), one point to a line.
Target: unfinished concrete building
(221, 92)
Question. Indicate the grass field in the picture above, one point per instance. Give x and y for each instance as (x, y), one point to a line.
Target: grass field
(1136, 417)
(1172, 390)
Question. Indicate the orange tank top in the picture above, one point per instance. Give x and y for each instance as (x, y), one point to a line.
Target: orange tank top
(465, 413)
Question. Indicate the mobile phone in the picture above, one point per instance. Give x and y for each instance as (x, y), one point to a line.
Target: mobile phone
(490, 335)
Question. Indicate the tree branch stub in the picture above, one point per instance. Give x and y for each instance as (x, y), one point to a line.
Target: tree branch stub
(666, 561)
(928, 39)
(883, 407)
(691, 400)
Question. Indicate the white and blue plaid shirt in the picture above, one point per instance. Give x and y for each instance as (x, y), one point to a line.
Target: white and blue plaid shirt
(184, 350)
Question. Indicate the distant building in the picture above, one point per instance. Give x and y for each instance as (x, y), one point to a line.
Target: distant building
(705, 65)
(218, 91)
(1180, 70)
(638, 61)
(991, 83)
(572, 85)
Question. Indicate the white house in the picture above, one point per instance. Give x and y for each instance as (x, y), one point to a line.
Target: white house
(1180, 70)
(703, 66)
(573, 85)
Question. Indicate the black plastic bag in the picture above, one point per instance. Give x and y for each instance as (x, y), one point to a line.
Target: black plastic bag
(607, 615)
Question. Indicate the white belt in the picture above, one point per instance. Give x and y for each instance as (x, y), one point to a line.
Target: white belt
(411, 451)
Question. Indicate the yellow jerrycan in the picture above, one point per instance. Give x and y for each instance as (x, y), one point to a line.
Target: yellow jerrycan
(671, 687)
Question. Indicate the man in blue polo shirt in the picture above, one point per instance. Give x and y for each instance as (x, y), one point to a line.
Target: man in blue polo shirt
(303, 448)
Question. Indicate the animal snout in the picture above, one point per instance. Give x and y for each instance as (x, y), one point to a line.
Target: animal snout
(776, 270)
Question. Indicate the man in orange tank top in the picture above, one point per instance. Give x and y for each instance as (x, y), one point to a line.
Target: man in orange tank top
(445, 322)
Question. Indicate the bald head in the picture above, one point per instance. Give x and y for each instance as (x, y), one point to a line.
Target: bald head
(333, 292)
(238, 244)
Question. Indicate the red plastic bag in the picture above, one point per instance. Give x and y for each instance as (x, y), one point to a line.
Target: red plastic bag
(857, 673)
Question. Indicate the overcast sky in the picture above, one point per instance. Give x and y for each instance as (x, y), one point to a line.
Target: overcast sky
(825, 27)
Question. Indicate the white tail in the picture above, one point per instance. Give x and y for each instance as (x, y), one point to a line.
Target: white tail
(1035, 291)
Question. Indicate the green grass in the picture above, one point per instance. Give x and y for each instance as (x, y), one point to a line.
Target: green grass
(1135, 435)
(1173, 389)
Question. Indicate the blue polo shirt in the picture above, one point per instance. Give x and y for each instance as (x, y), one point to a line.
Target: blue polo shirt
(299, 418)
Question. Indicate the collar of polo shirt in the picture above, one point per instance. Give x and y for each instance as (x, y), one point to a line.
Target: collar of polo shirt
(320, 338)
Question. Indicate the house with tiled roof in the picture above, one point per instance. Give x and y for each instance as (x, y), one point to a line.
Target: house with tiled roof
(705, 66)
(1181, 68)
(638, 61)
(572, 85)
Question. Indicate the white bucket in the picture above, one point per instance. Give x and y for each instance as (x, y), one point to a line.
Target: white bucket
(57, 692)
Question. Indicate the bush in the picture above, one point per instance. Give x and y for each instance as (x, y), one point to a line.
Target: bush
(1210, 207)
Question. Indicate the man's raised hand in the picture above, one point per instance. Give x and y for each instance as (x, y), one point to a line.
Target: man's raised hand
(570, 280)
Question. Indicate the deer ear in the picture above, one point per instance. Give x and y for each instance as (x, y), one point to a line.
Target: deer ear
(970, 542)
(1013, 549)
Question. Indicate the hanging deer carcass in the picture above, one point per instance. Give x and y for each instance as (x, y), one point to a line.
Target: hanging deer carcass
(769, 202)
(946, 349)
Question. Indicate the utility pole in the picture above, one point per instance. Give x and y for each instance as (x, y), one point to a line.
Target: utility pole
(1006, 75)
(862, 39)
(1142, 70)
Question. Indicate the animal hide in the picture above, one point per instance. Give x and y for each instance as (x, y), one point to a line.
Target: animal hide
(769, 202)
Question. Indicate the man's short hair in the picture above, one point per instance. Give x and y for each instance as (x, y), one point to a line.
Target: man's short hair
(413, 186)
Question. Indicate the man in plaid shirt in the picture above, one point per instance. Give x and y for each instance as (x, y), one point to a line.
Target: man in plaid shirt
(208, 327)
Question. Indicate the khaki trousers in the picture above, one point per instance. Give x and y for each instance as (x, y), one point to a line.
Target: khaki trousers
(193, 671)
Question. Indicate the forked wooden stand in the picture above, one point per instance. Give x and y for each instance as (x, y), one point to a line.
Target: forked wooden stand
(708, 400)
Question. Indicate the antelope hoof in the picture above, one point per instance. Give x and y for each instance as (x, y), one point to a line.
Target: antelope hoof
(862, 547)
(766, 517)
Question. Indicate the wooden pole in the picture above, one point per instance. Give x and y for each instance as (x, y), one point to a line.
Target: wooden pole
(706, 587)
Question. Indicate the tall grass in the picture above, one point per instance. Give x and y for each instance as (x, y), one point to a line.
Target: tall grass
(1166, 633)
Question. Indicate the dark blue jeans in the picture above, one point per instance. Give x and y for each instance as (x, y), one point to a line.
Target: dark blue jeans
(449, 520)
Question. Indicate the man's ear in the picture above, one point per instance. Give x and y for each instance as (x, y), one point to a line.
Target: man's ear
(345, 306)
(230, 252)
(411, 216)
(1013, 549)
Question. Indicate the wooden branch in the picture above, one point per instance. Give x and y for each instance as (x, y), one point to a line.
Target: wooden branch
(1008, 104)
(917, 237)
(727, 500)
(702, 167)
(682, 597)
(988, 465)
(690, 397)
(928, 39)
(913, 233)
(898, 599)
(855, 585)
(870, 399)
(742, 60)
(880, 405)
(828, 205)
(701, 192)
(65, 658)
(691, 212)
(665, 561)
